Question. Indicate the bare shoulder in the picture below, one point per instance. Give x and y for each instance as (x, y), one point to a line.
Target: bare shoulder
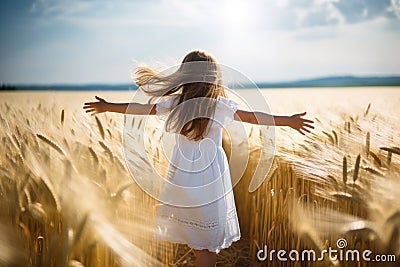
(245, 116)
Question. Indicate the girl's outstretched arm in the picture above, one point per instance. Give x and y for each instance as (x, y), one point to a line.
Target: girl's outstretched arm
(129, 108)
(295, 121)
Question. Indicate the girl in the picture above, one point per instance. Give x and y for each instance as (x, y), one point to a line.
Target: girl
(200, 211)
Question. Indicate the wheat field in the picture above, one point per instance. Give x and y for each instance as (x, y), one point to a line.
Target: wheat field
(68, 199)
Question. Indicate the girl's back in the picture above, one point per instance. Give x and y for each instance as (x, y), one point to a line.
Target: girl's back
(198, 206)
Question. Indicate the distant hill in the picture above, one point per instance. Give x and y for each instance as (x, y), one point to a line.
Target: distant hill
(338, 81)
(77, 87)
(334, 81)
(7, 87)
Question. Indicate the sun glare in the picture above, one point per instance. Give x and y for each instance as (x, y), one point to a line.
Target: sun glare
(237, 12)
(239, 18)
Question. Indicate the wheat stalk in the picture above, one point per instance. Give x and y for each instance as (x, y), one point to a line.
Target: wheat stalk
(367, 110)
(329, 136)
(344, 173)
(51, 143)
(356, 168)
(62, 117)
(107, 150)
(100, 126)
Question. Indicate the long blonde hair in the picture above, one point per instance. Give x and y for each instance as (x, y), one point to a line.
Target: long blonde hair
(198, 79)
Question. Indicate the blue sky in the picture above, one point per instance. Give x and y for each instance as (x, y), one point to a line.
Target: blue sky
(100, 41)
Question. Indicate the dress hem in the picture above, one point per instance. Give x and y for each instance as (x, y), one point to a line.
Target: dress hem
(213, 249)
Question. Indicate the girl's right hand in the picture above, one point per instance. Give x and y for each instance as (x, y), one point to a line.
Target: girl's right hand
(96, 107)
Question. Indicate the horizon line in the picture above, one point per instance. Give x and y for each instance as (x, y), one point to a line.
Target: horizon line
(396, 77)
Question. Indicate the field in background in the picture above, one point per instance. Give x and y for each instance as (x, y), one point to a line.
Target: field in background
(67, 199)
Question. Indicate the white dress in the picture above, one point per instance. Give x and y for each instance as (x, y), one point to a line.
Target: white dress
(206, 216)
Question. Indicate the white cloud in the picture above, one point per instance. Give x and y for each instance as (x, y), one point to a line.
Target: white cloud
(283, 15)
(282, 3)
(48, 7)
(268, 40)
(395, 7)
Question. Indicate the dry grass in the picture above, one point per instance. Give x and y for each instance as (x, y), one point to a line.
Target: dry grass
(67, 199)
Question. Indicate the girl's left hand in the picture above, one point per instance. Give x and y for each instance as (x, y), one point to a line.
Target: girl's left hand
(301, 125)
